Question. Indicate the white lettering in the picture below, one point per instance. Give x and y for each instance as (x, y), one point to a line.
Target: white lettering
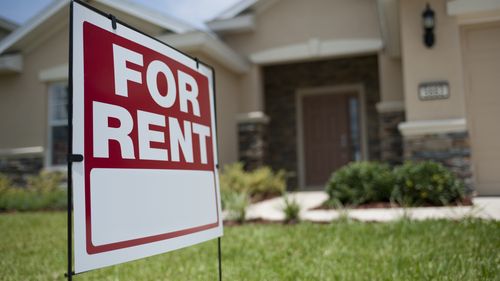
(186, 95)
(103, 133)
(168, 99)
(146, 136)
(203, 132)
(178, 139)
(122, 73)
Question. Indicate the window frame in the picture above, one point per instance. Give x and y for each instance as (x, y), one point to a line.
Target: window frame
(51, 124)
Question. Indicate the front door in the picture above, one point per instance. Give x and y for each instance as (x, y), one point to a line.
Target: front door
(331, 134)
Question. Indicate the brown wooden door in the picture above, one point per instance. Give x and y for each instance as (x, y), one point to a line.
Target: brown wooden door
(326, 136)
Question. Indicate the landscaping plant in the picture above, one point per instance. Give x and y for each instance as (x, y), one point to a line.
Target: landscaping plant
(42, 192)
(360, 182)
(236, 204)
(291, 209)
(426, 183)
(411, 184)
(258, 184)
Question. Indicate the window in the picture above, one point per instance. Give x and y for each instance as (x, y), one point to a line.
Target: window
(354, 128)
(58, 124)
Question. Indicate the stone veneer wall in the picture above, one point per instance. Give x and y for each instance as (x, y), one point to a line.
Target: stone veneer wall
(20, 168)
(391, 140)
(450, 149)
(281, 83)
(252, 143)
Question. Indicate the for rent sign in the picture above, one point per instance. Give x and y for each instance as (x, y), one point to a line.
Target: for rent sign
(144, 121)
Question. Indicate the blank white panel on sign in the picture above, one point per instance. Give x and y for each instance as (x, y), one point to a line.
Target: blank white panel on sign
(129, 204)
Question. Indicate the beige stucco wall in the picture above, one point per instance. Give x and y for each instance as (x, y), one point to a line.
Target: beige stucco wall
(251, 97)
(227, 94)
(296, 21)
(288, 22)
(420, 64)
(391, 78)
(23, 97)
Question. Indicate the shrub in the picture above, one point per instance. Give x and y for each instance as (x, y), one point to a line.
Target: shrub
(258, 184)
(426, 183)
(359, 183)
(236, 204)
(42, 192)
(291, 209)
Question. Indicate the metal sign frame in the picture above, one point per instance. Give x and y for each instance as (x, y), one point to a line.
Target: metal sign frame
(77, 159)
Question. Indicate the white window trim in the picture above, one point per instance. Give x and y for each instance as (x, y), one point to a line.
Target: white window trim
(54, 74)
(48, 155)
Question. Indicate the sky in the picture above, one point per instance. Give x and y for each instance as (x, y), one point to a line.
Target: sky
(192, 11)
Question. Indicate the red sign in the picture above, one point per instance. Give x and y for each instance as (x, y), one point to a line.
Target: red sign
(146, 129)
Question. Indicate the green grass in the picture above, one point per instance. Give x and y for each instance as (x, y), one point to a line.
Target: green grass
(32, 247)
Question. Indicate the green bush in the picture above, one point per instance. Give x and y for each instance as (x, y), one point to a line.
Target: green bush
(236, 204)
(411, 184)
(426, 183)
(42, 192)
(359, 183)
(258, 184)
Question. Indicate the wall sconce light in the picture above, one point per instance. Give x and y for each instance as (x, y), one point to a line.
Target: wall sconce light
(428, 23)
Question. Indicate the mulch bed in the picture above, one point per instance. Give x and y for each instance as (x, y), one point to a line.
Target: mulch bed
(389, 205)
(262, 197)
(252, 221)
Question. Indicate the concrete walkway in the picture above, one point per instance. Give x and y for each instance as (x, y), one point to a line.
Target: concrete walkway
(484, 207)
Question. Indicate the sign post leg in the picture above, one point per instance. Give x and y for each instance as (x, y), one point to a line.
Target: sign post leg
(70, 222)
(220, 258)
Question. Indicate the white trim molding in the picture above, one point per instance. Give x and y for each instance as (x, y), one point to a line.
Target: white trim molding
(240, 6)
(253, 117)
(12, 63)
(210, 45)
(390, 106)
(239, 24)
(462, 7)
(474, 12)
(316, 48)
(57, 73)
(235, 9)
(415, 128)
(21, 151)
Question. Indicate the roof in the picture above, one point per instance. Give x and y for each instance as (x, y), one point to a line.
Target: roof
(54, 13)
(7, 25)
(210, 45)
(153, 16)
(242, 6)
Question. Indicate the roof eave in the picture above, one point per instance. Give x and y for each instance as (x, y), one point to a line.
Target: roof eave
(24, 30)
(211, 46)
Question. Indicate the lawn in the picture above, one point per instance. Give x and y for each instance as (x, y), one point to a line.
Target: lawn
(32, 247)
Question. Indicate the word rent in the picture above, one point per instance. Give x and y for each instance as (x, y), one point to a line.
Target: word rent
(159, 137)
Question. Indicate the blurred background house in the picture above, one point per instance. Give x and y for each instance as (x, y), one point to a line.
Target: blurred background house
(306, 86)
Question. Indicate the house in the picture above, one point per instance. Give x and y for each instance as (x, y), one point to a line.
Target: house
(34, 75)
(305, 86)
(6, 27)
